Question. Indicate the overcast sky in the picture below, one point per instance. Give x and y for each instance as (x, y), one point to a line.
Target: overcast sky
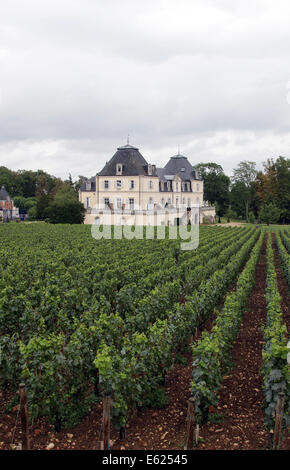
(76, 76)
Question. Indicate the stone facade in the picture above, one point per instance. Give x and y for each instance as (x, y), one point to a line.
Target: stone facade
(129, 186)
(7, 209)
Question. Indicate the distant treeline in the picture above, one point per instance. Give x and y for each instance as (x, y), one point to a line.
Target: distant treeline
(44, 197)
(249, 194)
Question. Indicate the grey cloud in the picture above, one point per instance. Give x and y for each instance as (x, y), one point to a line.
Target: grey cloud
(77, 76)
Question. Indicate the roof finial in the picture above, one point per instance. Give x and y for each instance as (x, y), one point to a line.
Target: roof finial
(128, 139)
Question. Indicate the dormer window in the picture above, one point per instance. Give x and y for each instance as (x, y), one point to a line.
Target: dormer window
(149, 169)
(119, 169)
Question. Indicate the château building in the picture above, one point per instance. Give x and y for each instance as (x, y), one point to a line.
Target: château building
(130, 186)
(7, 209)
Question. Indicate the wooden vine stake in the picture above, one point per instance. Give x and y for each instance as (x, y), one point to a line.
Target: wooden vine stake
(24, 417)
(190, 424)
(190, 340)
(100, 445)
(106, 422)
(197, 434)
(279, 420)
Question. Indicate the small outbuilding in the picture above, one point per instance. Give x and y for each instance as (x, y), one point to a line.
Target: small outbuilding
(7, 209)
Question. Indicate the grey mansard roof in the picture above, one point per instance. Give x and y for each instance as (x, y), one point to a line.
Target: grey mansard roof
(4, 196)
(89, 185)
(163, 174)
(179, 165)
(134, 164)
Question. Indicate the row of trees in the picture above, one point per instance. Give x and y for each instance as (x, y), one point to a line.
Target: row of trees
(250, 194)
(44, 197)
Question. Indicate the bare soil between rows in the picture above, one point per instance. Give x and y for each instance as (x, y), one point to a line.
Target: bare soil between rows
(240, 406)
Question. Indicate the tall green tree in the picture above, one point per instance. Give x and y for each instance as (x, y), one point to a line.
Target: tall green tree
(269, 213)
(236, 199)
(7, 179)
(26, 183)
(266, 183)
(273, 185)
(24, 204)
(245, 174)
(20, 201)
(46, 188)
(216, 185)
(282, 166)
(65, 208)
